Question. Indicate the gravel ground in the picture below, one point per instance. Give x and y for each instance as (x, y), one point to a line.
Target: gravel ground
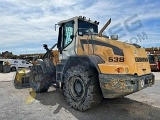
(17, 104)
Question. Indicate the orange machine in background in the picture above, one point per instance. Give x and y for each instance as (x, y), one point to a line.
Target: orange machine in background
(154, 58)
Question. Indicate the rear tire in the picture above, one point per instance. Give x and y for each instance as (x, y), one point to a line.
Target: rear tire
(39, 81)
(81, 87)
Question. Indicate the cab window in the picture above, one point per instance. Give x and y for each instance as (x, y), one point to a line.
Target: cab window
(23, 62)
(86, 27)
(68, 30)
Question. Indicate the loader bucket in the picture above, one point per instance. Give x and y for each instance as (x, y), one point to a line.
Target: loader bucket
(21, 78)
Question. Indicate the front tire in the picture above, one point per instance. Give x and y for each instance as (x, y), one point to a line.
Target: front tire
(81, 87)
(39, 81)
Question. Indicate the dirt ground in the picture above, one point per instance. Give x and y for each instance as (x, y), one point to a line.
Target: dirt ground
(17, 104)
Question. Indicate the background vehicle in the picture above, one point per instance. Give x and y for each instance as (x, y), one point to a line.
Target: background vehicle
(89, 66)
(17, 63)
(4, 65)
(154, 61)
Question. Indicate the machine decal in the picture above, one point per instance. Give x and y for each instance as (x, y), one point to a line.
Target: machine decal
(116, 50)
(141, 59)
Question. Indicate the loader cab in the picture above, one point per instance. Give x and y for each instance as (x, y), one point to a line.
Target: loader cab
(69, 33)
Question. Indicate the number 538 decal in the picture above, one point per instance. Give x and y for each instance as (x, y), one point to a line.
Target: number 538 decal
(116, 59)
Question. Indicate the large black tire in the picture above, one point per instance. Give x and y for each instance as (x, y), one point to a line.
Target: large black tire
(39, 81)
(81, 87)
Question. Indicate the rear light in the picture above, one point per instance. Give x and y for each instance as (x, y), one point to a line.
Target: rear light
(120, 70)
(126, 70)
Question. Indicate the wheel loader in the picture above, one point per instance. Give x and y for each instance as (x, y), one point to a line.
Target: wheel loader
(89, 66)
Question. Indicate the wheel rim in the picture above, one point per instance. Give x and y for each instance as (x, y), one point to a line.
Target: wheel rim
(77, 88)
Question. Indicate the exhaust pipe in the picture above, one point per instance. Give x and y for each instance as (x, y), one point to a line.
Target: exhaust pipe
(104, 27)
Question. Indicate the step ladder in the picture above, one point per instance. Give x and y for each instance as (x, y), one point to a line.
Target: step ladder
(59, 70)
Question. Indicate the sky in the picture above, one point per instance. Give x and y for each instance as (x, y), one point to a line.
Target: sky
(25, 25)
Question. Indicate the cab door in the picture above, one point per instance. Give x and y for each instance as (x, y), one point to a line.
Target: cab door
(67, 40)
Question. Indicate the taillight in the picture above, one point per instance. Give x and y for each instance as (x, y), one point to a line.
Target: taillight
(122, 70)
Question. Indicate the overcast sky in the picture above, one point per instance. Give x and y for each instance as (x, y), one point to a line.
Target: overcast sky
(25, 25)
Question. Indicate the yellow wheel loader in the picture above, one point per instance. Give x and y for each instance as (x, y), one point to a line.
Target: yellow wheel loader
(89, 66)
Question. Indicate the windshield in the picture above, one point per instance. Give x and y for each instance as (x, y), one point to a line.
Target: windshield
(86, 27)
(151, 59)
